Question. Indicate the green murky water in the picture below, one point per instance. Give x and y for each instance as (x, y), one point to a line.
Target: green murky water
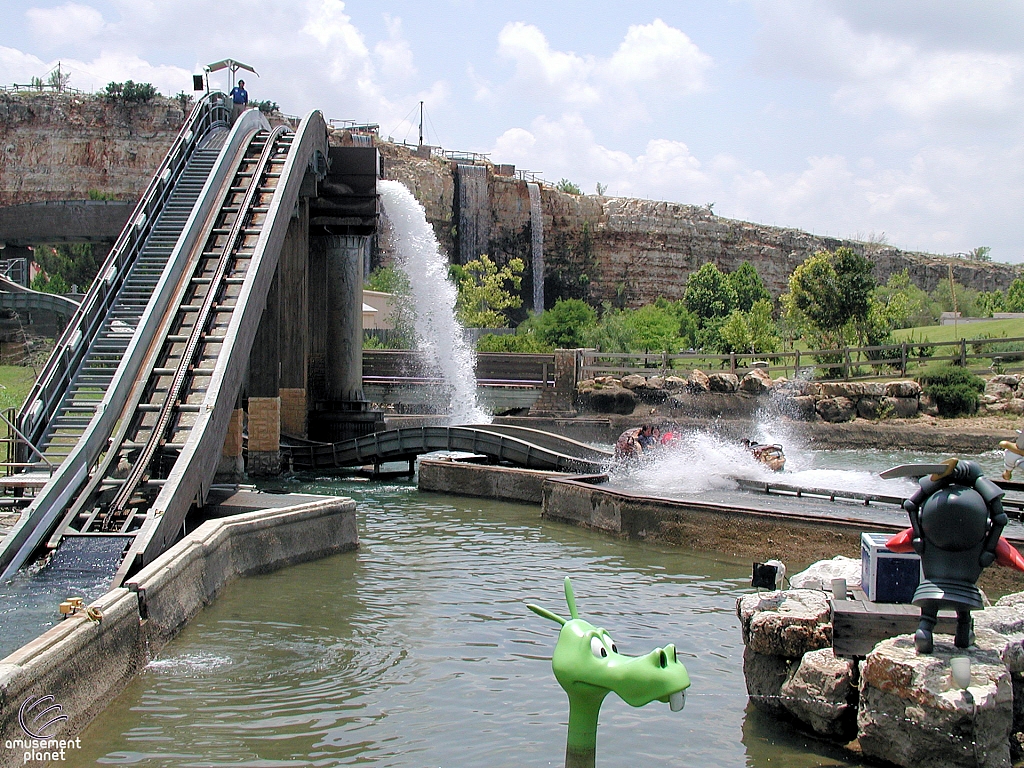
(417, 650)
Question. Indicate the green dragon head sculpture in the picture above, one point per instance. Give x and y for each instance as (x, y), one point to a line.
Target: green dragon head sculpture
(588, 666)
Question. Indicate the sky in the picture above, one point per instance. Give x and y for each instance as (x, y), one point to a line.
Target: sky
(889, 120)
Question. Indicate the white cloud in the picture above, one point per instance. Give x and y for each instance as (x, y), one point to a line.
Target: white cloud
(873, 69)
(394, 54)
(938, 201)
(65, 24)
(654, 63)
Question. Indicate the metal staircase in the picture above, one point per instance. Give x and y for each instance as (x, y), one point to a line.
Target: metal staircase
(90, 382)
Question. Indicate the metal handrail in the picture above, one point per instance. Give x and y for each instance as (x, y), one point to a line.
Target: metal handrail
(14, 428)
(70, 351)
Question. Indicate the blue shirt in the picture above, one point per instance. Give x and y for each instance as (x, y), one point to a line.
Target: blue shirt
(239, 96)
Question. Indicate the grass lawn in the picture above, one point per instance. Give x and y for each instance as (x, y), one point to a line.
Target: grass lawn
(992, 329)
(15, 382)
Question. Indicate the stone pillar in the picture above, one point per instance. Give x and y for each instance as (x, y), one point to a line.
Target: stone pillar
(264, 435)
(338, 409)
(293, 272)
(231, 468)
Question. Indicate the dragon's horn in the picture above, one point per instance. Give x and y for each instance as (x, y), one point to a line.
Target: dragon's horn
(570, 598)
(546, 613)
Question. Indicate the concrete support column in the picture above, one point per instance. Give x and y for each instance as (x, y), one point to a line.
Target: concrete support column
(336, 339)
(264, 435)
(264, 390)
(231, 467)
(293, 271)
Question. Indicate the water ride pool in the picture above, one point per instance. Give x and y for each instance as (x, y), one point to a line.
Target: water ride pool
(418, 650)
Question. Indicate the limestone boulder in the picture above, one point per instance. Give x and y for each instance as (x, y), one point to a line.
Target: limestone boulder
(765, 675)
(633, 381)
(607, 381)
(724, 382)
(801, 408)
(910, 713)
(928, 405)
(836, 409)
(819, 575)
(999, 390)
(796, 387)
(1017, 599)
(899, 407)
(675, 383)
(905, 388)
(821, 693)
(1011, 380)
(1015, 406)
(655, 382)
(848, 389)
(698, 382)
(756, 382)
(608, 400)
(785, 623)
(874, 388)
(869, 408)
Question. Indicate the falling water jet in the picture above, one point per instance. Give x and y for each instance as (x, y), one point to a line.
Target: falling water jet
(440, 338)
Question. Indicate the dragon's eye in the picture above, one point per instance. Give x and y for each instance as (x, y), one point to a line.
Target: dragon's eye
(597, 647)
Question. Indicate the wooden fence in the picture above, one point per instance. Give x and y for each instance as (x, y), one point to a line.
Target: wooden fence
(492, 368)
(984, 356)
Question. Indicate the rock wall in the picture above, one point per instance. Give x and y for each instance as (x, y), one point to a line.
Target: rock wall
(627, 252)
(58, 147)
(630, 252)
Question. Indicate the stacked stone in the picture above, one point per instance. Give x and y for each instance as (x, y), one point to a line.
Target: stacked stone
(833, 402)
(1004, 394)
(902, 707)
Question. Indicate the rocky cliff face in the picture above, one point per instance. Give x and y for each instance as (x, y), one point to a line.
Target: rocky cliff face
(630, 252)
(58, 146)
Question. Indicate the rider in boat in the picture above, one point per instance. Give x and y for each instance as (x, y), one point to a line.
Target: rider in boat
(770, 455)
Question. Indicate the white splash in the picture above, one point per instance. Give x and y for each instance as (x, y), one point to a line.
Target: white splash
(440, 337)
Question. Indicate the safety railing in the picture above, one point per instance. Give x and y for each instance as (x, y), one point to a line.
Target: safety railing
(45, 396)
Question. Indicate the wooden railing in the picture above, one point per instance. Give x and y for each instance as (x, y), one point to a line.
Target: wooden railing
(979, 355)
(492, 368)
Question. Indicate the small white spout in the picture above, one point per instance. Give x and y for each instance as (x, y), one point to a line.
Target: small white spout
(677, 701)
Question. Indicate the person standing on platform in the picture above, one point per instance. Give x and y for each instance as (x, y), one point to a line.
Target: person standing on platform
(239, 100)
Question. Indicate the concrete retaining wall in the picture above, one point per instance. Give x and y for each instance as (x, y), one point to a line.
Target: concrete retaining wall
(83, 664)
(463, 479)
(704, 526)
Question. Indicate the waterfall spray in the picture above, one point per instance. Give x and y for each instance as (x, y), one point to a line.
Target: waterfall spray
(440, 338)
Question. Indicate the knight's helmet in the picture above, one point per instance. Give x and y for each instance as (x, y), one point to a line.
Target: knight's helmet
(954, 526)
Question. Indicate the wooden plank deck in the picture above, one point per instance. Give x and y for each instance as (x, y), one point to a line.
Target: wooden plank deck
(859, 624)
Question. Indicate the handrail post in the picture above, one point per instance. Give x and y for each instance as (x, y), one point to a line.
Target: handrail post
(846, 363)
(732, 362)
(796, 364)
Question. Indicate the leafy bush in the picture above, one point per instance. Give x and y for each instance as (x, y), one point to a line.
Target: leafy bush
(267, 106)
(511, 342)
(568, 187)
(130, 92)
(955, 390)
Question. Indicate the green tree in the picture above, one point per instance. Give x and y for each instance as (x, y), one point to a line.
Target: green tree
(754, 331)
(653, 329)
(981, 253)
(564, 325)
(67, 265)
(564, 185)
(130, 92)
(709, 294)
(829, 294)
(1015, 296)
(901, 304)
(485, 291)
(749, 286)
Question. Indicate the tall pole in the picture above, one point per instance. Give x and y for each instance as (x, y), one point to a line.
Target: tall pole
(421, 123)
